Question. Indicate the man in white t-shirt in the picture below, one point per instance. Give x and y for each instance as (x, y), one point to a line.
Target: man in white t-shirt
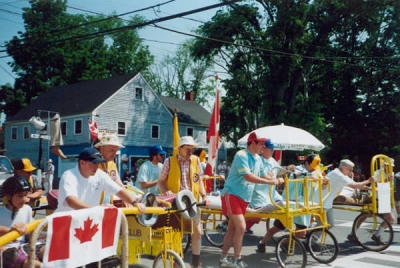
(339, 178)
(81, 187)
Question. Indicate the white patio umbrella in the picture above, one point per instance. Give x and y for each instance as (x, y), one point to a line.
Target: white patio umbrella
(287, 138)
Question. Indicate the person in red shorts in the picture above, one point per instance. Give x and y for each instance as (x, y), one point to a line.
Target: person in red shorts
(247, 170)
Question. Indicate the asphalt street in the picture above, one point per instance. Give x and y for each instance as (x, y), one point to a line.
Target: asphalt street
(350, 254)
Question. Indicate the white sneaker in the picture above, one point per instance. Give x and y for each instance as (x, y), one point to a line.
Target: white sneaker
(225, 262)
(240, 264)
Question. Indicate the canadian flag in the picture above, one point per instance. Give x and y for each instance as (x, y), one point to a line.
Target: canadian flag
(94, 130)
(213, 132)
(79, 237)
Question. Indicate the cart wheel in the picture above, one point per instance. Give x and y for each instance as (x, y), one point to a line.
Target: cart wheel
(323, 245)
(168, 259)
(364, 227)
(186, 241)
(214, 235)
(294, 256)
(269, 224)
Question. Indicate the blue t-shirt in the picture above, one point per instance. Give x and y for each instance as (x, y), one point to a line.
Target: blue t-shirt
(243, 163)
(261, 194)
(149, 172)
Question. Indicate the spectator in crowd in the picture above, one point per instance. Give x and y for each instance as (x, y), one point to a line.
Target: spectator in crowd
(150, 171)
(49, 175)
(24, 168)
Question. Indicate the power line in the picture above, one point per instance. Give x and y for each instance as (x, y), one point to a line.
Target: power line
(108, 17)
(137, 25)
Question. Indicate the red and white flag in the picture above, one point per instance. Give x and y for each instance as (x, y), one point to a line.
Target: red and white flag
(79, 237)
(213, 132)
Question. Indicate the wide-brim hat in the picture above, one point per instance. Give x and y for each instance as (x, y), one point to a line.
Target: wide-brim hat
(108, 139)
(187, 140)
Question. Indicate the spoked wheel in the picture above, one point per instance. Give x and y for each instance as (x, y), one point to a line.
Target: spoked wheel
(323, 245)
(214, 230)
(364, 227)
(269, 224)
(290, 252)
(186, 241)
(168, 259)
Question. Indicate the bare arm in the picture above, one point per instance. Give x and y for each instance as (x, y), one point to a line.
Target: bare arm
(162, 185)
(127, 197)
(75, 203)
(36, 194)
(362, 185)
(148, 184)
(262, 180)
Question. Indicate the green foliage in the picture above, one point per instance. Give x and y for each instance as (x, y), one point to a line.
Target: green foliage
(55, 50)
(175, 75)
(329, 67)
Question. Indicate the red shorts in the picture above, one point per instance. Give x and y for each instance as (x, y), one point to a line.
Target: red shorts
(231, 204)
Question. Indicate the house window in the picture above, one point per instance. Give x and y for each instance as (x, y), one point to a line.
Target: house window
(121, 126)
(155, 131)
(139, 93)
(26, 133)
(78, 127)
(63, 128)
(189, 131)
(14, 133)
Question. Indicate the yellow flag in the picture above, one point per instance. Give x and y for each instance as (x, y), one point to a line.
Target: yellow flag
(175, 132)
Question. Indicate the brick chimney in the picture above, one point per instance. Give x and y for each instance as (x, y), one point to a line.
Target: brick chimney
(189, 96)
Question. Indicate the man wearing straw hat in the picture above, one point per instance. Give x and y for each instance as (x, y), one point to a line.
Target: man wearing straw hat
(180, 172)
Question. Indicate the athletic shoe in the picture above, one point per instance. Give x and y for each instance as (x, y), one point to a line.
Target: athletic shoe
(352, 238)
(240, 264)
(260, 248)
(222, 227)
(377, 239)
(249, 231)
(225, 262)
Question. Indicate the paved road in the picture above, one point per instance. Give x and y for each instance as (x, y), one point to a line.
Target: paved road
(350, 254)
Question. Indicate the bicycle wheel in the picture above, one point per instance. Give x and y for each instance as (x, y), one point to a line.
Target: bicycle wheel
(323, 246)
(293, 256)
(269, 224)
(186, 241)
(364, 227)
(214, 230)
(168, 259)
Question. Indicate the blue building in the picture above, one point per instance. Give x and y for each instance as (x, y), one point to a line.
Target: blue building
(125, 104)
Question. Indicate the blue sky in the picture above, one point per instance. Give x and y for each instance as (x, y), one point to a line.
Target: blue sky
(11, 22)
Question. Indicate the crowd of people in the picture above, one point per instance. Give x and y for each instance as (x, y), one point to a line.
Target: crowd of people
(244, 183)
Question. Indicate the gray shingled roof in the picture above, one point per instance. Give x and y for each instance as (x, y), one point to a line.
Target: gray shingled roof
(84, 97)
(77, 98)
(189, 112)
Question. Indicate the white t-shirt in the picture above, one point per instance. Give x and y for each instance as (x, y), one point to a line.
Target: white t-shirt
(88, 190)
(337, 180)
(23, 215)
(149, 172)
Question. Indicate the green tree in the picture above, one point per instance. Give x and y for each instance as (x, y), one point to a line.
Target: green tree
(58, 48)
(328, 66)
(175, 75)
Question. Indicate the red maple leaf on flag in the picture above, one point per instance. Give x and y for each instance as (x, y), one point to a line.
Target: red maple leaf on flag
(88, 231)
